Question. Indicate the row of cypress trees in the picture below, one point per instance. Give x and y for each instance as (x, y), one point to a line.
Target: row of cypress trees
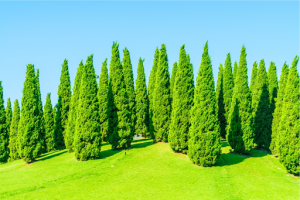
(191, 118)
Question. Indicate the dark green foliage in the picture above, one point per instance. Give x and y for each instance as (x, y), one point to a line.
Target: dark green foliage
(87, 143)
(220, 102)
(103, 101)
(151, 87)
(120, 124)
(4, 137)
(48, 119)
(204, 144)
(273, 86)
(13, 137)
(288, 149)
(228, 85)
(40, 109)
(253, 78)
(64, 99)
(142, 102)
(129, 83)
(235, 69)
(161, 98)
(261, 108)
(278, 108)
(70, 131)
(8, 115)
(183, 96)
(58, 136)
(172, 81)
(29, 130)
(239, 130)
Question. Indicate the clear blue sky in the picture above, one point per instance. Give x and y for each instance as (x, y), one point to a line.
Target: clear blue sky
(45, 33)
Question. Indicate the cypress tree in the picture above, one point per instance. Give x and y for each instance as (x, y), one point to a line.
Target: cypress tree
(40, 109)
(161, 99)
(288, 149)
(273, 87)
(151, 87)
(88, 139)
(204, 143)
(235, 69)
(239, 131)
(183, 96)
(69, 136)
(278, 108)
(13, 137)
(103, 101)
(228, 85)
(120, 124)
(4, 137)
(261, 108)
(220, 102)
(48, 119)
(129, 84)
(8, 115)
(64, 99)
(172, 81)
(253, 78)
(142, 102)
(29, 131)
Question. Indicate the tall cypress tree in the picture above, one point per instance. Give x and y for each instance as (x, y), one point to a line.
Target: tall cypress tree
(64, 99)
(40, 109)
(261, 108)
(29, 131)
(151, 87)
(204, 143)
(48, 119)
(8, 115)
(228, 85)
(120, 124)
(235, 69)
(69, 136)
(273, 87)
(183, 96)
(239, 131)
(253, 78)
(13, 137)
(220, 102)
(88, 139)
(278, 108)
(288, 149)
(172, 81)
(103, 101)
(129, 83)
(161, 99)
(4, 137)
(142, 102)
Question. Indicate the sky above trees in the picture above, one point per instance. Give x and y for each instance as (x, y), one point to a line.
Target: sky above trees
(45, 33)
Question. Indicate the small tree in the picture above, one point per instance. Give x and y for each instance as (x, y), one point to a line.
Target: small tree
(13, 137)
(220, 102)
(142, 102)
(228, 85)
(48, 124)
(253, 78)
(172, 81)
(204, 143)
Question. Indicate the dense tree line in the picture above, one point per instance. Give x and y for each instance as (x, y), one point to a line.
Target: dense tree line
(192, 118)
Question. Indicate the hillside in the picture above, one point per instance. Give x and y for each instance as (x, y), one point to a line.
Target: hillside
(147, 171)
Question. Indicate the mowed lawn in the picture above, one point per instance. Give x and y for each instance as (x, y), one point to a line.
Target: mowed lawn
(147, 171)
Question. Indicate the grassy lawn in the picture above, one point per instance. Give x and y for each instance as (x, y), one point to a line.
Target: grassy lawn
(147, 171)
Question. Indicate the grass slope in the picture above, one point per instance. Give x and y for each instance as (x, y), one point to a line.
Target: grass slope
(148, 171)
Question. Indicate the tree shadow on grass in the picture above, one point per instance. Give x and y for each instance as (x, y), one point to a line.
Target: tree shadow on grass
(110, 152)
(233, 158)
(51, 155)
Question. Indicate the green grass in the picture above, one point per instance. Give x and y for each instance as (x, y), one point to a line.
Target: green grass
(148, 171)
